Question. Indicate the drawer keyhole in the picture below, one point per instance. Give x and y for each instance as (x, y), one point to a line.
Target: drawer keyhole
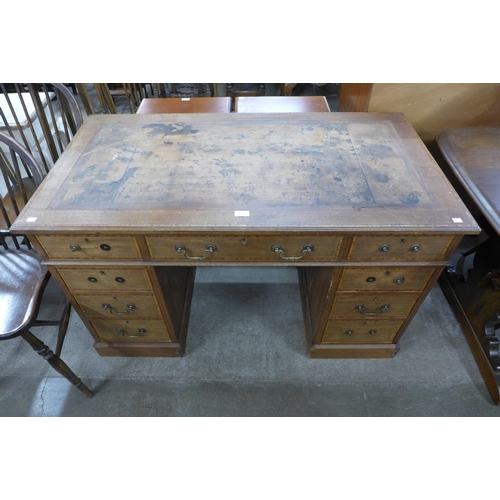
(105, 247)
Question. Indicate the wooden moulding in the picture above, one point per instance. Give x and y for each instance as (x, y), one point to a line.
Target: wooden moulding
(340, 351)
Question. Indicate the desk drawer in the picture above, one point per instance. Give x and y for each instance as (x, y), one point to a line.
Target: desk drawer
(218, 248)
(380, 278)
(404, 247)
(353, 331)
(367, 305)
(101, 279)
(121, 306)
(90, 247)
(131, 330)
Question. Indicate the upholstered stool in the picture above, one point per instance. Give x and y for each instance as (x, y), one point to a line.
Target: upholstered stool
(166, 105)
(281, 104)
(472, 163)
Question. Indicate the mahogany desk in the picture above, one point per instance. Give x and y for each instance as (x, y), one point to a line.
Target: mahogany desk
(472, 283)
(161, 105)
(354, 200)
(281, 104)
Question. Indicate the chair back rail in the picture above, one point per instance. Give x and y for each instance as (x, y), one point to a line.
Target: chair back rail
(43, 117)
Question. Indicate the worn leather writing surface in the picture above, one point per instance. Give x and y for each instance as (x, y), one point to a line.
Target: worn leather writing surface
(292, 171)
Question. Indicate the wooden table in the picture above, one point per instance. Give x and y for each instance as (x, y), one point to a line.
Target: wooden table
(162, 105)
(138, 202)
(472, 283)
(281, 104)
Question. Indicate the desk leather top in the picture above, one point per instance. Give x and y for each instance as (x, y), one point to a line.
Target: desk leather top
(473, 154)
(255, 172)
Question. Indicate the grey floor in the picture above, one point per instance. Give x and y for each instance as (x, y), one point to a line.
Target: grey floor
(246, 356)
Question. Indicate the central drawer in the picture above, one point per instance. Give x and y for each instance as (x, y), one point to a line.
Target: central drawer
(213, 247)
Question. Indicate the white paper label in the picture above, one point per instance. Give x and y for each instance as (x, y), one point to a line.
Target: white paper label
(31, 219)
(185, 98)
(241, 213)
(457, 220)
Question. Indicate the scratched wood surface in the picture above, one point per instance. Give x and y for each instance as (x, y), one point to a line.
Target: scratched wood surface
(325, 171)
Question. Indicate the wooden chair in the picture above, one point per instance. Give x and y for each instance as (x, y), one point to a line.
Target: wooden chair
(23, 277)
(281, 104)
(42, 117)
(184, 105)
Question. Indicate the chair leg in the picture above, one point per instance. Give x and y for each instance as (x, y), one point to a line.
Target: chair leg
(57, 363)
(63, 328)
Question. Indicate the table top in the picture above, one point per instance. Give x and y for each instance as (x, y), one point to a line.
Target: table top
(473, 154)
(184, 105)
(332, 172)
(281, 104)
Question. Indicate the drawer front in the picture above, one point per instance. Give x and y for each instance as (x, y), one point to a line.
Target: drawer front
(370, 305)
(131, 330)
(390, 279)
(347, 331)
(90, 247)
(250, 248)
(121, 306)
(100, 279)
(404, 247)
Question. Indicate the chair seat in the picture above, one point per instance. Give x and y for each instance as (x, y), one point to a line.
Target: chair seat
(22, 276)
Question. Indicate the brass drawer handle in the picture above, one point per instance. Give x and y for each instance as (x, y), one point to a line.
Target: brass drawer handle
(414, 248)
(74, 247)
(208, 250)
(398, 281)
(112, 310)
(384, 248)
(361, 309)
(140, 333)
(279, 250)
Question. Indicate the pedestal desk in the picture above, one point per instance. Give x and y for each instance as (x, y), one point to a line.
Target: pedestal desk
(354, 200)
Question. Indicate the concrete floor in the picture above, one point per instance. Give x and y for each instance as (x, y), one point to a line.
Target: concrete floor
(246, 356)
